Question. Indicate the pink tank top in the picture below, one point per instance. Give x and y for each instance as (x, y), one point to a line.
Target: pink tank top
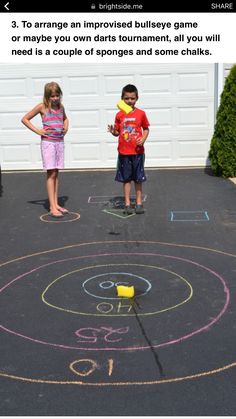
(53, 120)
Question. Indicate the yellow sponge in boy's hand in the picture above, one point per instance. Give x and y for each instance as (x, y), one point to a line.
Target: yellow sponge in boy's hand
(123, 291)
(124, 107)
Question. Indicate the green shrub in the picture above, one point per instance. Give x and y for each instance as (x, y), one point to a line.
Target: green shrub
(222, 152)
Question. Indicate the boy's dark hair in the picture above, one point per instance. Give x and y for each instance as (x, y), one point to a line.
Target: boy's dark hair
(130, 88)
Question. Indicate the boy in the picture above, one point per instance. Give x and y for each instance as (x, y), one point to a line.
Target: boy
(133, 130)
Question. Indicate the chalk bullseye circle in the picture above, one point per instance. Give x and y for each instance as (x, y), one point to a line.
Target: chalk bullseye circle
(106, 294)
(118, 278)
(179, 336)
(178, 378)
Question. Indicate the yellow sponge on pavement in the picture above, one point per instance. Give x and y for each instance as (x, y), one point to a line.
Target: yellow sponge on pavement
(123, 291)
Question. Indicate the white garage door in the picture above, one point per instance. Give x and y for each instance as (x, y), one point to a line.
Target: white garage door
(178, 99)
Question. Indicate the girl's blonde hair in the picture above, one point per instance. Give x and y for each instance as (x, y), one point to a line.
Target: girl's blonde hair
(49, 89)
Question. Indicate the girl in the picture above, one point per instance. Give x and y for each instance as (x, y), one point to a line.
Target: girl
(55, 126)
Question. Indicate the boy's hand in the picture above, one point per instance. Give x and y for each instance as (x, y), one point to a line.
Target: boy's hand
(140, 141)
(110, 128)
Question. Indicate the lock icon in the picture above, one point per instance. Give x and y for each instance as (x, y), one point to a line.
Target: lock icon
(93, 6)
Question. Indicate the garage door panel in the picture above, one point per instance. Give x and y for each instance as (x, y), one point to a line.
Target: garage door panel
(186, 116)
(19, 153)
(156, 84)
(160, 117)
(10, 121)
(159, 151)
(179, 135)
(178, 100)
(112, 154)
(109, 116)
(83, 86)
(81, 136)
(13, 87)
(89, 119)
(174, 101)
(189, 83)
(195, 116)
(188, 147)
(85, 152)
(113, 84)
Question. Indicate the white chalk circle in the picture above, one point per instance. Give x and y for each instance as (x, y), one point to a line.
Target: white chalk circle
(111, 280)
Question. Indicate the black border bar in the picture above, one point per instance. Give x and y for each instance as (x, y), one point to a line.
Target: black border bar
(124, 6)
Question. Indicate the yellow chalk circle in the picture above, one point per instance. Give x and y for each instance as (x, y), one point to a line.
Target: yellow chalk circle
(123, 291)
(124, 107)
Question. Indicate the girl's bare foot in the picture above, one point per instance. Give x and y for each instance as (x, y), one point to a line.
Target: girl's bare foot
(56, 213)
(62, 210)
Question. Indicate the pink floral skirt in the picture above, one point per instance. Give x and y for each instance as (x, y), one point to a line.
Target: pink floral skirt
(52, 154)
